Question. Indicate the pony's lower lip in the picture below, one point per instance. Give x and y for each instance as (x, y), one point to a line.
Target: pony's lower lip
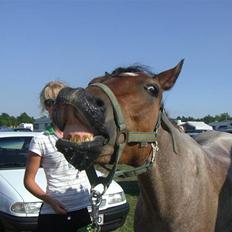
(81, 155)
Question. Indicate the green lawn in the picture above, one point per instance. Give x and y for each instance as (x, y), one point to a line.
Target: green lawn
(130, 187)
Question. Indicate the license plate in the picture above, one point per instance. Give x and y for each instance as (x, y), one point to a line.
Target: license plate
(100, 219)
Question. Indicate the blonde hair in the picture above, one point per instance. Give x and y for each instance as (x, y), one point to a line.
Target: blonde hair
(50, 91)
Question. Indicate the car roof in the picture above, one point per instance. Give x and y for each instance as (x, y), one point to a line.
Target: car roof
(4, 134)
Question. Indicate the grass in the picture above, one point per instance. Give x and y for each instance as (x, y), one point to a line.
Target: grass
(130, 187)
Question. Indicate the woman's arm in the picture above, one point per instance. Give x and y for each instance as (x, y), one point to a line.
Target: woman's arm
(32, 166)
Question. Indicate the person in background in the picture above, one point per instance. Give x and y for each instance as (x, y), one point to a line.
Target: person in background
(65, 201)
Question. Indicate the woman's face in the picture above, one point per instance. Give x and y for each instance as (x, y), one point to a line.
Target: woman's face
(49, 104)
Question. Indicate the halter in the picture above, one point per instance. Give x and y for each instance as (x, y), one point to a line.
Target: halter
(123, 137)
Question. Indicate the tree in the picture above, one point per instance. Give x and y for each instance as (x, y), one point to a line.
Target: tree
(207, 119)
(11, 121)
(224, 117)
(5, 120)
(24, 118)
(185, 119)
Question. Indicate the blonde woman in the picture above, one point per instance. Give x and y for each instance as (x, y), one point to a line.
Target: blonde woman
(66, 198)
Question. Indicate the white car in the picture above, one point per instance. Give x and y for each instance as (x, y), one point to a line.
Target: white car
(19, 209)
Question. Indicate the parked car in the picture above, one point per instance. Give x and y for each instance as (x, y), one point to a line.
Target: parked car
(19, 209)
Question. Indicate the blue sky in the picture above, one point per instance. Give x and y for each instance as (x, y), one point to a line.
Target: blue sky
(75, 41)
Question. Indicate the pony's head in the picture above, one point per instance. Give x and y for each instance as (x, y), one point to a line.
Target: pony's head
(116, 109)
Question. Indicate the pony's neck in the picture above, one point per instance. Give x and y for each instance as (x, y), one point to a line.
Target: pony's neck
(163, 185)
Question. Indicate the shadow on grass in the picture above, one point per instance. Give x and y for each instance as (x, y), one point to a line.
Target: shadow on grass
(129, 187)
(129, 184)
(131, 190)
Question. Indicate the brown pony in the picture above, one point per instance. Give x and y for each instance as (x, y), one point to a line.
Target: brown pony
(188, 188)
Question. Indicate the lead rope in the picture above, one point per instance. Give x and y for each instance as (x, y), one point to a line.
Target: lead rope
(96, 199)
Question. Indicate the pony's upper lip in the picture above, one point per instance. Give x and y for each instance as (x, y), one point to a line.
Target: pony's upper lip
(87, 118)
(85, 135)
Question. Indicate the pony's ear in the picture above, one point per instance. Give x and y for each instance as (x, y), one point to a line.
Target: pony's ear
(168, 78)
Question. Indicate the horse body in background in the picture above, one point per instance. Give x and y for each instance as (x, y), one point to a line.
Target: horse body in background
(189, 188)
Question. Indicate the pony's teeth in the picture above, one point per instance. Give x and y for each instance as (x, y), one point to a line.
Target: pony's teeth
(87, 138)
(79, 139)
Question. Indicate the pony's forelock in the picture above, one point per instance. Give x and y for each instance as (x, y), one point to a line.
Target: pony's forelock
(135, 69)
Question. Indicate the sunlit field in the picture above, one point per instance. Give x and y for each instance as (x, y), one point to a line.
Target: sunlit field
(130, 187)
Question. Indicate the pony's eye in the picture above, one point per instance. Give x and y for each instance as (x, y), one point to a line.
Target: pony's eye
(152, 90)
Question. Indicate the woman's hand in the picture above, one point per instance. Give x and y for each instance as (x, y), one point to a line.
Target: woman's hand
(57, 206)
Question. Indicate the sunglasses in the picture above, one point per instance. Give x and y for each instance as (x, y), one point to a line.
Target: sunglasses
(49, 102)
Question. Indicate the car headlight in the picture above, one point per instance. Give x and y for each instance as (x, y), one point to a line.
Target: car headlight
(116, 198)
(103, 203)
(26, 207)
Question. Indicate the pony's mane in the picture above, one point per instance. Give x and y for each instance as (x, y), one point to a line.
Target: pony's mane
(132, 69)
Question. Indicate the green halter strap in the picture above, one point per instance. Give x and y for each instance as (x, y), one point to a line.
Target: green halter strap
(127, 137)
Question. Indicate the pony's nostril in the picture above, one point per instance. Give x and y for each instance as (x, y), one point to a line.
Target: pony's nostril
(99, 103)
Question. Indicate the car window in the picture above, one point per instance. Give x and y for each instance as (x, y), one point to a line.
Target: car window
(12, 143)
(13, 151)
(222, 127)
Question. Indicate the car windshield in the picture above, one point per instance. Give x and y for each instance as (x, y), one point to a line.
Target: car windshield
(13, 151)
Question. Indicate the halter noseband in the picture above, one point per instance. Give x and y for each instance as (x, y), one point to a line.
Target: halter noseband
(123, 137)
